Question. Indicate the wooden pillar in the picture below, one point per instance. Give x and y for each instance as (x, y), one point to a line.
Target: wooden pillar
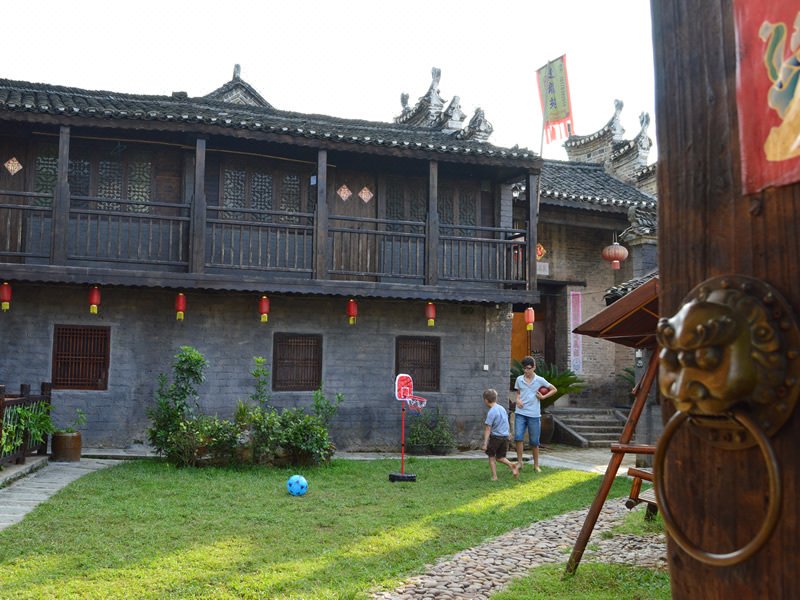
(321, 254)
(61, 201)
(432, 230)
(533, 223)
(197, 231)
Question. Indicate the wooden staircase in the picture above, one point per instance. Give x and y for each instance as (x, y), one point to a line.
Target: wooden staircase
(588, 427)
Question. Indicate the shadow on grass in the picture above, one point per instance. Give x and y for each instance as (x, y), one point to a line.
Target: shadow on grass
(237, 533)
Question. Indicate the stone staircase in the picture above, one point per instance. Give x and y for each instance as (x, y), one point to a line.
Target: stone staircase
(588, 427)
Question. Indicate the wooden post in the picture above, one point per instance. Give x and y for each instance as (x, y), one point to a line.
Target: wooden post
(197, 231)
(432, 230)
(61, 202)
(321, 254)
(530, 236)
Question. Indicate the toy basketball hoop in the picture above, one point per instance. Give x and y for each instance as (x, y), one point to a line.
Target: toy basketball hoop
(404, 392)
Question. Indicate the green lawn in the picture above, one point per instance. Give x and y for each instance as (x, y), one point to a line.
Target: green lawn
(146, 530)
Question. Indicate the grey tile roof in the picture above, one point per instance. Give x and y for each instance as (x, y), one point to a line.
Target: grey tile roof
(587, 185)
(37, 98)
(618, 291)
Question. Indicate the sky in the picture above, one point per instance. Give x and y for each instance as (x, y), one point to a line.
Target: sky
(351, 58)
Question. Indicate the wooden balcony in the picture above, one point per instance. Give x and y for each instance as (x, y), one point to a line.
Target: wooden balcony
(151, 243)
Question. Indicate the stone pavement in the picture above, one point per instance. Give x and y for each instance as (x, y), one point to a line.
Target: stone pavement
(28, 485)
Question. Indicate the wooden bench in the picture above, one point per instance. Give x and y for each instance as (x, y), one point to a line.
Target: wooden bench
(637, 496)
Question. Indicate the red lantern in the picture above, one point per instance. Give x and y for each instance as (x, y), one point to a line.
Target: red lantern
(430, 313)
(263, 308)
(352, 311)
(180, 306)
(94, 299)
(530, 318)
(5, 296)
(615, 254)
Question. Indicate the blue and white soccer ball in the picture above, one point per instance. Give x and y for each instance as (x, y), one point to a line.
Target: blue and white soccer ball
(297, 485)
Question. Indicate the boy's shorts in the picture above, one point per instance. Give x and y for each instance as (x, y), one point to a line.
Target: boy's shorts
(532, 424)
(497, 446)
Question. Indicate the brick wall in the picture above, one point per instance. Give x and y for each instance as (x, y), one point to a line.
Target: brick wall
(358, 361)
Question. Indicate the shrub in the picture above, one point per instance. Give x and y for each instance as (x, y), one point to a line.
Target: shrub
(304, 437)
(324, 408)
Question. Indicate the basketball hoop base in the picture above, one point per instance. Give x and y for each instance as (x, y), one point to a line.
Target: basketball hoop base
(402, 477)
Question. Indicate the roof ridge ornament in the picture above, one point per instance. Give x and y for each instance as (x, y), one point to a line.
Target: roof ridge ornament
(428, 109)
(478, 129)
(237, 71)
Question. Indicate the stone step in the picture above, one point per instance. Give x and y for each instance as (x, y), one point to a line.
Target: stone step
(609, 431)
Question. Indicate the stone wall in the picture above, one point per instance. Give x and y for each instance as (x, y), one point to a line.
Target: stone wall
(358, 360)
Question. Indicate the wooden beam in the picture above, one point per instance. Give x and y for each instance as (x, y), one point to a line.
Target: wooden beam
(432, 229)
(533, 220)
(321, 257)
(197, 231)
(58, 248)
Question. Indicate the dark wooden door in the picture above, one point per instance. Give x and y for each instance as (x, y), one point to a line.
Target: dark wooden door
(353, 195)
(708, 227)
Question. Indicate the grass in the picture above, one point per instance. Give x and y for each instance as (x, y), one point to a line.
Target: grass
(592, 581)
(146, 530)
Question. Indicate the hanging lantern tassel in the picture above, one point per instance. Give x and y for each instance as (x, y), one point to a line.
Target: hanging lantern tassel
(263, 308)
(615, 254)
(530, 318)
(352, 311)
(180, 306)
(5, 296)
(94, 299)
(430, 313)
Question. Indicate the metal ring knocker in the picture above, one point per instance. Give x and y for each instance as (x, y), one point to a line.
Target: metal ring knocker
(730, 363)
(775, 492)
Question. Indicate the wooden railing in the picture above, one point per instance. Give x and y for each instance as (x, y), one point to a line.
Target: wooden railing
(25, 226)
(377, 248)
(156, 235)
(9, 419)
(481, 254)
(151, 233)
(266, 240)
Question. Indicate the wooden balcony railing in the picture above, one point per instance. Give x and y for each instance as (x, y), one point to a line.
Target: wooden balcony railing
(156, 236)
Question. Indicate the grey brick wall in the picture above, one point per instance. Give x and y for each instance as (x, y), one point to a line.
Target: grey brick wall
(358, 361)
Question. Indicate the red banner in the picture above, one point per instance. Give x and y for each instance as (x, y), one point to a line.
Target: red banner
(768, 101)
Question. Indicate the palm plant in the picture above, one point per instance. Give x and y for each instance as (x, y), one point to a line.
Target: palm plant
(566, 381)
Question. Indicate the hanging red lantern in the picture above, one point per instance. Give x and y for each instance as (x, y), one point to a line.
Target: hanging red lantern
(352, 311)
(430, 313)
(180, 306)
(615, 254)
(263, 308)
(5, 296)
(94, 299)
(530, 318)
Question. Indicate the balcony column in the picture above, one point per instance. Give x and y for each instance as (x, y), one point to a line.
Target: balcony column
(432, 229)
(321, 260)
(533, 223)
(197, 229)
(60, 229)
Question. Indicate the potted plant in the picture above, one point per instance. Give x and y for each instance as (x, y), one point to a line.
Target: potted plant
(28, 428)
(65, 444)
(566, 381)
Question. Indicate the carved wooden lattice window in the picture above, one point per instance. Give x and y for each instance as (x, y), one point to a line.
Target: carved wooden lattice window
(80, 357)
(406, 200)
(290, 197)
(262, 194)
(140, 174)
(296, 362)
(233, 192)
(46, 177)
(419, 357)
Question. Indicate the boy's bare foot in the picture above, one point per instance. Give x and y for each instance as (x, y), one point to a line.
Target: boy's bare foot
(494, 478)
(537, 469)
(515, 472)
(519, 466)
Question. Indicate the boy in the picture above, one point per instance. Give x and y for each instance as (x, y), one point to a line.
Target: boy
(495, 434)
(531, 388)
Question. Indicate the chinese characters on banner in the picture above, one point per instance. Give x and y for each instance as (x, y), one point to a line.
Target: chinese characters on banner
(575, 319)
(768, 101)
(554, 96)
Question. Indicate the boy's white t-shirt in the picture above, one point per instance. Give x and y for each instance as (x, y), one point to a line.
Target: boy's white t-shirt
(531, 407)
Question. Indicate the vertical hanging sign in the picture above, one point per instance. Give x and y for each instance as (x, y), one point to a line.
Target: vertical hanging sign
(767, 94)
(575, 319)
(554, 96)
